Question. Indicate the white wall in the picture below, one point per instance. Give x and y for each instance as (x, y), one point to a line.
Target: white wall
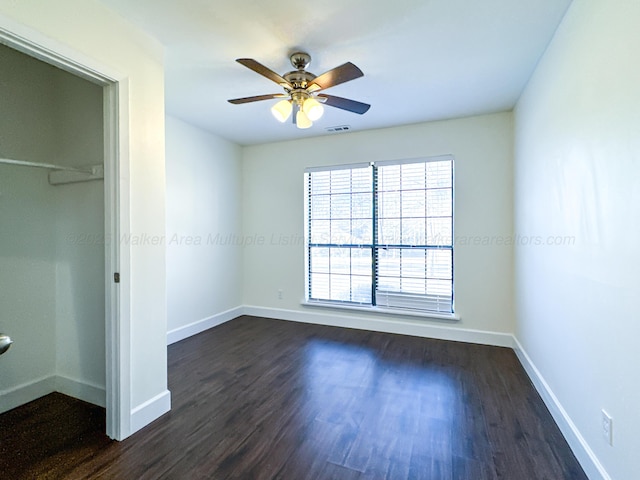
(87, 31)
(204, 206)
(576, 175)
(27, 232)
(79, 233)
(27, 282)
(273, 194)
(51, 255)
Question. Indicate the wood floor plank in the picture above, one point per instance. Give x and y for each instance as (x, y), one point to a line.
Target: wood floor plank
(264, 399)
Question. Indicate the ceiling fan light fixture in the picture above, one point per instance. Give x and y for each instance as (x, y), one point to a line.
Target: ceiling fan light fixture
(282, 110)
(300, 88)
(313, 109)
(302, 120)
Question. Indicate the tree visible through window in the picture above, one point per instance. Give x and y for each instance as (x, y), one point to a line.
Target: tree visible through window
(381, 234)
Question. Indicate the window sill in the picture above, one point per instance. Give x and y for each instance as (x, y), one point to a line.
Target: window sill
(384, 311)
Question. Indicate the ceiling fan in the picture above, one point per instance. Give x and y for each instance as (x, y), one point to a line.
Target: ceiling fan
(301, 87)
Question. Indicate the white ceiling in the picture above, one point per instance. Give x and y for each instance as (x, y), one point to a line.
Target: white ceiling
(422, 59)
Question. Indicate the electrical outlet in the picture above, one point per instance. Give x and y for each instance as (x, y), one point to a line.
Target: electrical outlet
(607, 427)
(280, 295)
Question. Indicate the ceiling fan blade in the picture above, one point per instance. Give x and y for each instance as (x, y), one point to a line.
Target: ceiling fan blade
(345, 103)
(257, 98)
(257, 67)
(338, 75)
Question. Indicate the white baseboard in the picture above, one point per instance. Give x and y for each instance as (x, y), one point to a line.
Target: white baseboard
(82, 390)
(140, 416)
(147, 412)
(194, 328)
(587, 458)
(408, 326)
(403, 326)
(27, 392)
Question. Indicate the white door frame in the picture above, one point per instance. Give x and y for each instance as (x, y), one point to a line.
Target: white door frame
(116, 207)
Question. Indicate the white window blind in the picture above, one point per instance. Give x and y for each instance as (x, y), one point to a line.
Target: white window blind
(414, 215)
(382, 234)
(340, 235)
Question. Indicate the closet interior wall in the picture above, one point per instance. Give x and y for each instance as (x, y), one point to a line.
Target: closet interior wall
(52, 291)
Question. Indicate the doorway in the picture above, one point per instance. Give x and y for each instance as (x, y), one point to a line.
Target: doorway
(61, 252)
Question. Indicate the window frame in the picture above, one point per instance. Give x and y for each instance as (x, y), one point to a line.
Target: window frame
(375, 246)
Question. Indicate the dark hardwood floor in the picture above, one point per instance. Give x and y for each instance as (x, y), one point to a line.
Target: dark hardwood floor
(267, 399)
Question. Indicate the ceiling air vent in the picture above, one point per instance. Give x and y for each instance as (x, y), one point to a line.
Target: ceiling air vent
(339, 128)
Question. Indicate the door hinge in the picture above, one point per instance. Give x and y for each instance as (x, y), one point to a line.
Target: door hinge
(116, 277)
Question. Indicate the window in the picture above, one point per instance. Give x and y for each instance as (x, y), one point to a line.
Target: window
(381, 234)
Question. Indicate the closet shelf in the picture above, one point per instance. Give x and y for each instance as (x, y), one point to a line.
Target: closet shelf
(61, 175)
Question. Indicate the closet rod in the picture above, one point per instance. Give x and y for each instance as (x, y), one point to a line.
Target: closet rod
(50, 166)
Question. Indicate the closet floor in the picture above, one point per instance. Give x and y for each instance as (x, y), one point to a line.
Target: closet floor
(49, 437)
(265, 399)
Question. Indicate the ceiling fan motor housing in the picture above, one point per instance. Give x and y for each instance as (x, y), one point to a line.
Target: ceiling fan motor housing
(300, 79)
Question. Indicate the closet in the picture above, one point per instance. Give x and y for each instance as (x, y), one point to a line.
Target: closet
(52, 237)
